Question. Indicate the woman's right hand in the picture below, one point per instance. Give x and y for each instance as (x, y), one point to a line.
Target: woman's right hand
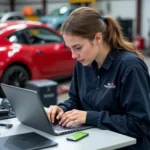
(53, 112)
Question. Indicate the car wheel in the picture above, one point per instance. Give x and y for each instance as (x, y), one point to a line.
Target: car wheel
(16, 75)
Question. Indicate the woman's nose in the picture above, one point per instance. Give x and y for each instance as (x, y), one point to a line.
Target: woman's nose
(75, 55)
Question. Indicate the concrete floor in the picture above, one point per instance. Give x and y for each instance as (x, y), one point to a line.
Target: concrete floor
(63, 97)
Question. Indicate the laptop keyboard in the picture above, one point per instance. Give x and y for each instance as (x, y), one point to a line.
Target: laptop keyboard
(60, 128)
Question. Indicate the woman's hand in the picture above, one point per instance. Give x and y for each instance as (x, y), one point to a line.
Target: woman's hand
(54, 112)
(73, 117)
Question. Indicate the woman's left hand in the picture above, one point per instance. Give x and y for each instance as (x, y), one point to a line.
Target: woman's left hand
(73, 117)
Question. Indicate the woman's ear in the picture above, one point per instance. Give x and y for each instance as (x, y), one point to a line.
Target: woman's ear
(98, 37)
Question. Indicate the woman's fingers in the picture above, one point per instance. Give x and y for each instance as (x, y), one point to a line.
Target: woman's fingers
(67, 117)
(60, 114)
(73, 117)
(64, 118)
(71, 123)
(68, 120)
(49, 112)
(53, 113)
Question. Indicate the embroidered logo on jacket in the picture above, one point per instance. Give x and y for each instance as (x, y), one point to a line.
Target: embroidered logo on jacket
(110, 85)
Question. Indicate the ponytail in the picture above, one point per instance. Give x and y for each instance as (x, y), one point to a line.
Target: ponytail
(114, 36)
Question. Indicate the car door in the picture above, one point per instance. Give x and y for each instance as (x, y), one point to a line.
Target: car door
(50, 54)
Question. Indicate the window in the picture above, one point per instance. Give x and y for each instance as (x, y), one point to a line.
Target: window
(15, 18)
(18, 37)
(18, 18)
(42, 36)
(11, 18)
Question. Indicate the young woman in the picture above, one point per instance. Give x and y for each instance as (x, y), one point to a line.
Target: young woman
(111, 84)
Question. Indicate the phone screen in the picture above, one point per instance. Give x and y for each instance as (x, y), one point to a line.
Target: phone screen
(77, 136)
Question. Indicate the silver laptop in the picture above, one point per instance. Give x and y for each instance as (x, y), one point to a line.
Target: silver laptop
(29, 111)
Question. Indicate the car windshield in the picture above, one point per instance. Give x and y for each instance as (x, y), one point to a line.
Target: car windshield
(59, 11)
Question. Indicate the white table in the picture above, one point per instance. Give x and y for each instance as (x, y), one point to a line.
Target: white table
(97, 139)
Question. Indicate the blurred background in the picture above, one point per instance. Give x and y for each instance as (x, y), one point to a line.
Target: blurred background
(133, 15)
(32, 50)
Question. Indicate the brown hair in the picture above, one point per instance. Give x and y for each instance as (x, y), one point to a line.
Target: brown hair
(86, 22)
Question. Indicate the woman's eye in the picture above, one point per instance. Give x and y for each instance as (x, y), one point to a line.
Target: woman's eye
(77, 48)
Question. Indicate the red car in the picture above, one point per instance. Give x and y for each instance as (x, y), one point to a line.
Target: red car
(32, 50)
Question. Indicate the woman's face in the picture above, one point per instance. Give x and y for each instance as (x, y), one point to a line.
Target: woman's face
(82, 49)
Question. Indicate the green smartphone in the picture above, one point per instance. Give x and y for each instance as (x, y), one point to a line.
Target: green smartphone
(77, 136)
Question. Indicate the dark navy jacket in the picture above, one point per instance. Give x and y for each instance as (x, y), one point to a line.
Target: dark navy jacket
(116, 96)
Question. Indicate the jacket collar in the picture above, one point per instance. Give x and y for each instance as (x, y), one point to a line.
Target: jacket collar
(108, 61)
